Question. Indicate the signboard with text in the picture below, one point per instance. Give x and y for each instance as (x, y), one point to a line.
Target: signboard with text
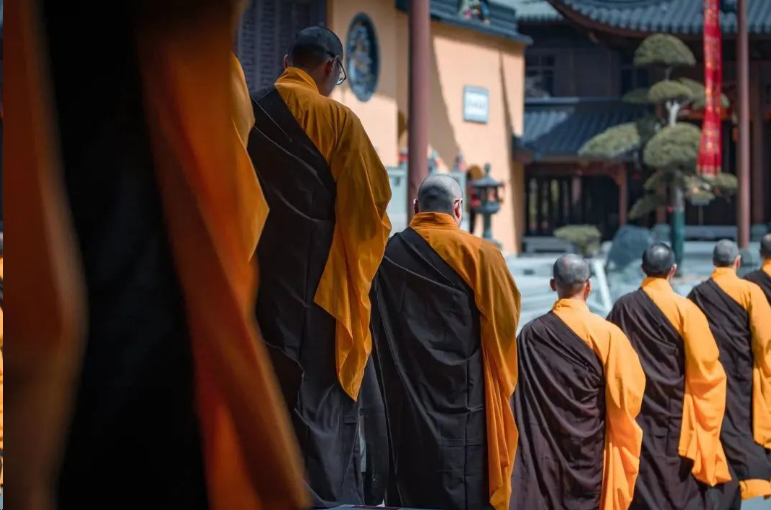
(476, 104)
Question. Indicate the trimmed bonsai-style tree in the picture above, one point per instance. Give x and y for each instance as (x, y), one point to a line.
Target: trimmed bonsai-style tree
(662, 143)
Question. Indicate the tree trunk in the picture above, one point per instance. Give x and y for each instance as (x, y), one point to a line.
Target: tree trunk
(677, 220)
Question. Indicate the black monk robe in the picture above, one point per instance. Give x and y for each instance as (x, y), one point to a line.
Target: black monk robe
(441, 300)
(684, 401)
(762, 278)
(740, 319)
(579, 391)
(322, 242)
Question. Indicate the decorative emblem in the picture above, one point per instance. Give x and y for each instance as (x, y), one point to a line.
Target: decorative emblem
(363, 57)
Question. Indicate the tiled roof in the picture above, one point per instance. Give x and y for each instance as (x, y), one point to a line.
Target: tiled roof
(532, 11)
(683, 17)
(560, 126)
(503, 19)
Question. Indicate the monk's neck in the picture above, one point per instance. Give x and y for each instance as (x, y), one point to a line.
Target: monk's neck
(433, 220)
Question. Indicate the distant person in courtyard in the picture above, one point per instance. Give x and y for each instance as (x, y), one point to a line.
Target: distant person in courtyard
(445, 314)
(740, 318)
(685, 391)
(323, 241)
(579, 391)
(762, 277)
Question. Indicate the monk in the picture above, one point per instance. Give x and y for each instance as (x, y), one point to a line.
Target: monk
(579, 393)
(740, 318)
(142, 374)
(762, 276)
(684, 402)
(445, 315)
(322, 244)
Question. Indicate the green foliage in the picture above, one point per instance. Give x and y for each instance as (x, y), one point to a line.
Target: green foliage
(647, 127)
(586, 238)
(669, 90)
(660, 179)
(663, 50)
(636, 96)
(701, 189)
(699, 94)
(645, 205)
(727, 184)
(613, 143)
(674, 147)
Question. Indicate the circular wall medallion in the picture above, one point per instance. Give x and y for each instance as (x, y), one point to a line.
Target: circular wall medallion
(363, 57)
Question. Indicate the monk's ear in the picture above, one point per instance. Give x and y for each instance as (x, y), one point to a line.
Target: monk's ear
(286, 61)
(553, 285)
(738, 262)
(415, 206)
(672, 271)
(587, 289)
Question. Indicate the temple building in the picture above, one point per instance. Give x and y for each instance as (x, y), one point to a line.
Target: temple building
(577, 69)
(521, 85)
(475, 76)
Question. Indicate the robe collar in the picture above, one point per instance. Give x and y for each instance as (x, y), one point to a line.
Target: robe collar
(296, 76)
(576, 305)
(434, 220)
(656, 284)
(724, 272)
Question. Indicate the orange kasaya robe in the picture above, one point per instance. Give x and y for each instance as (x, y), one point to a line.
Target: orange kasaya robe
(480, 264)
(625, 385)
(705, 384)
(740, 317)
(212, 205)
(361, 224)
(188, 74)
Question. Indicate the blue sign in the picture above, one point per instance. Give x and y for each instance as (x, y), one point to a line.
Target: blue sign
(476, 104)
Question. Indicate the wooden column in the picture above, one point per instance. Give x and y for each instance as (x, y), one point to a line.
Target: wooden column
(758, 180)
(420, 64)
(576, 211)
(743, 166)
(623, 195)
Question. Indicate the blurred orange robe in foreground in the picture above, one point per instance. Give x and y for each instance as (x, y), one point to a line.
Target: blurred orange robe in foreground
(214, 210)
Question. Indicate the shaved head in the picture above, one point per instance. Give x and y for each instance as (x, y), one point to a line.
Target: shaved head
(725, 253)
(571, 273)
(765, 246)
(658, 260)
(439, 193)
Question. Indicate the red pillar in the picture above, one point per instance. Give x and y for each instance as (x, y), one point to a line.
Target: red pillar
(743, 167)
(420, 64)
(758, 184)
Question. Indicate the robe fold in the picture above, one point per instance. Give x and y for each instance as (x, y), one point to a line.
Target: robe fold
(580, 389)
(444, 316)
(322, 242)
(175, 396)
(740, 319)
(684, 402)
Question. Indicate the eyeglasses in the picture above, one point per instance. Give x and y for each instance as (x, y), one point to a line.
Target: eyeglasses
(342, 76)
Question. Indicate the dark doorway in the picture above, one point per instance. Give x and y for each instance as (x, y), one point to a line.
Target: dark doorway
(555, 201)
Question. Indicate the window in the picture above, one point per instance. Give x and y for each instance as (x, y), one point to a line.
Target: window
(539, 75)
(632, 77)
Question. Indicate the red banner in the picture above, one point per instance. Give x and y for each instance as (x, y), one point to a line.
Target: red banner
(710, 147)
